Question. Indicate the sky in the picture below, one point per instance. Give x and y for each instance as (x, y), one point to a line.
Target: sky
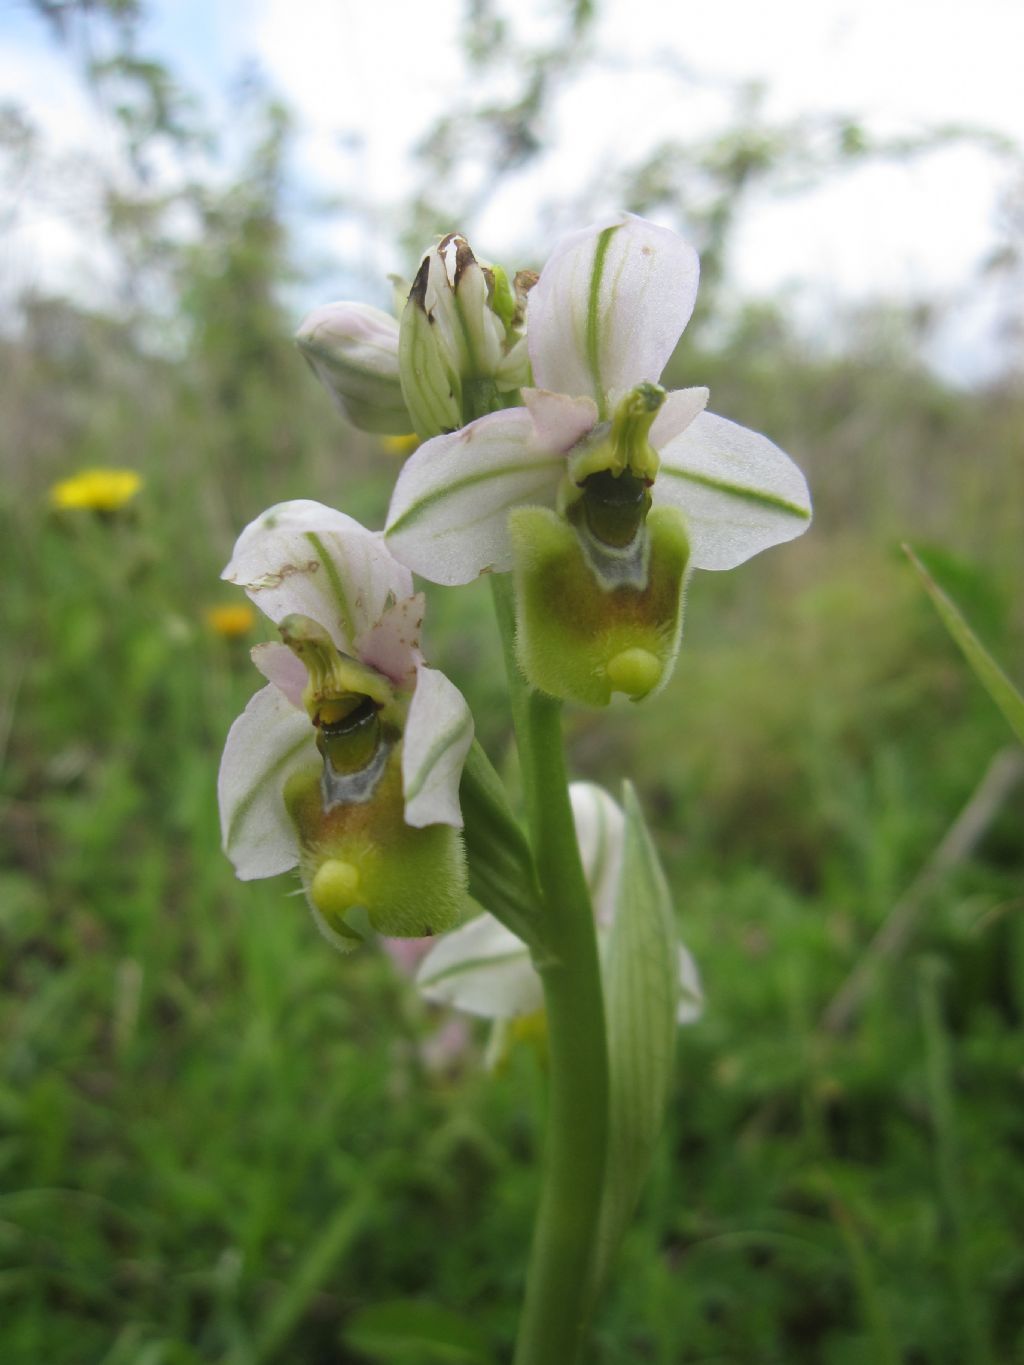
(366, 77)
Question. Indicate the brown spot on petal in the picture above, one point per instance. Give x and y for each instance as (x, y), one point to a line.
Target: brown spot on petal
(418, 292)
(274, 580)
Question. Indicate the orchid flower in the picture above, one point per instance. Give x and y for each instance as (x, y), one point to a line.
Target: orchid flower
(483, 969)
(601, 491)
(348, 762)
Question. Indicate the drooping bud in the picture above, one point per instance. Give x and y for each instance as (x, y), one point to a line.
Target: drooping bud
(352, 348)
(460, 351)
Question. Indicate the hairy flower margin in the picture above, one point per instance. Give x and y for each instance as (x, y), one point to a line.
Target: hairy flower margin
(373, 826)
(482, 968)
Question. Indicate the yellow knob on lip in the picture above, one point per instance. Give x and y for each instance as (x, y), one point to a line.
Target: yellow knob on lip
(335, 887)
(634, 671)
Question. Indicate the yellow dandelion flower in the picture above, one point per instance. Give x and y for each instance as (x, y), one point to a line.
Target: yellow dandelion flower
(232, 620)
(98, 490)
(400, 445)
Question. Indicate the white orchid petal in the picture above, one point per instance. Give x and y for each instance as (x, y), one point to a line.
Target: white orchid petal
(281, 667)
(267, 743)
(609, 307)
(600, 833)
(392, 646)
(438, 733)
(481, 968)
(737, 490)
(691, 994)
(558, 420)
(304, 557)
(450, 504)
(679, 409)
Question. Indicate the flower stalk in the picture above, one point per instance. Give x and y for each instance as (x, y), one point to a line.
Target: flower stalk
(554, 1317)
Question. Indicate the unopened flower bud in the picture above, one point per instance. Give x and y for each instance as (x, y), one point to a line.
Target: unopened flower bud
(459, 348)
(352, 349)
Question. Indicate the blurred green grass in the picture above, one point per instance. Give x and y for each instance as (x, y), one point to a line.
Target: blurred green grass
(219, 1141)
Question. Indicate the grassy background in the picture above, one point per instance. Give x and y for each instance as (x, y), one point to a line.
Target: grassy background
(221, 1142)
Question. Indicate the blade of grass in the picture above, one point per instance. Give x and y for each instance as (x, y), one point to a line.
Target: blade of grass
(970, 1304)
(999, 687)
(310, 1274)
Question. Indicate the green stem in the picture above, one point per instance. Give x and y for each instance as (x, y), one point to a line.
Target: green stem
(554, 1317)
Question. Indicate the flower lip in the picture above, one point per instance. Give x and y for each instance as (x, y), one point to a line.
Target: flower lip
(352, 773)
(350, 736)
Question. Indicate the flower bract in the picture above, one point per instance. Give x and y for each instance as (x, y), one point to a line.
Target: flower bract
(348, 762)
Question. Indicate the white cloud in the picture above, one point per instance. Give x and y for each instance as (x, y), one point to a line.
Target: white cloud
(366, 80)
(51, 215)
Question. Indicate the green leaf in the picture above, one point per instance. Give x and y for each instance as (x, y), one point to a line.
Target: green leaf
(641, 979)
(999, 687)
(421, 1333)
(311, 1271)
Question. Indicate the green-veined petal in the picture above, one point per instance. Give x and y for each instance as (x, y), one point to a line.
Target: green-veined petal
(482, 968)
(738, 492)
(449, 508)
(304, 558)
(600, 830)
(438, 733)
(268, 742)
(609, 307)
